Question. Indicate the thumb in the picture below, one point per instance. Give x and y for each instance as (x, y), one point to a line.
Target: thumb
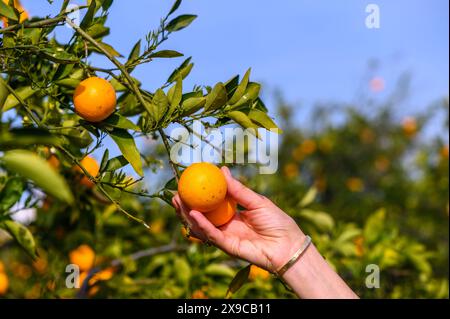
(243, 195)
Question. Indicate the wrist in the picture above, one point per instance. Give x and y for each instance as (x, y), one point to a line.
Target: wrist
(290, 246)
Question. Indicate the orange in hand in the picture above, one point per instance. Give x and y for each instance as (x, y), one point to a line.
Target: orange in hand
(202, 187)
(222, 214)
(94, 99)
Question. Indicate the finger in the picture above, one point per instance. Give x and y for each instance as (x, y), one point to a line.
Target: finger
(242, 194)
(212, 233)
(188, 221)
(175, 203)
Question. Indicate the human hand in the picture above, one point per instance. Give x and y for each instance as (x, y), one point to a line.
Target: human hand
(262, 234)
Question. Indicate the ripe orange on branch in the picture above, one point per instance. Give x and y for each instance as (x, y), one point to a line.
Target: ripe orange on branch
(202, 187)
(83, 256)
(91, 165)
(94, 99)
(4, 283)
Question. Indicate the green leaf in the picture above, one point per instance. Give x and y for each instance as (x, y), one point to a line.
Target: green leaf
(97, 30)
(106, 4)
(231, 85)
(135, 52)
(192, 105)
(309, 197)
(166, 54)
(26, 137)
(24, 93)
(118, 87)
(63, 71)
(127, 146)
(3, 93)
(108, 48)
(88, 18)
(180, 22)
(238, 281)
(183, 270)
(80, 138)
(119, 121)
(240, 90)
(174, 7)
(259, 105)
(7, 11)
(159, 105)
(374, 226)
(243, 120)
(175, 93)
(68, 83)
(217, 97)
(22, 236)
(11, 193)
(251, 93)
(105, 158)
(172, 184)
(58, 55)
(322, 220)
(219, 270)
(263, 120)
(183, 70)
(36, 169)
(115, 163)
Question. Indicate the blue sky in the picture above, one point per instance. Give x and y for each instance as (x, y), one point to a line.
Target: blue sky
(311, 50)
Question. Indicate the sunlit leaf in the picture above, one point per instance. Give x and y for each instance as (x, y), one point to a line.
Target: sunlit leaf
(119, 121)
(166, 54)
(240, 90)
(7, 11)
(321, 220)
(180, 22)
(127, 146)
(11, 193)
(39, 171)
(22, 236)
(217, 97)
(263, 120)
(309, 197)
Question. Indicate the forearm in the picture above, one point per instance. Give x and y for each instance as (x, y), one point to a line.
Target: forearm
(312, 277)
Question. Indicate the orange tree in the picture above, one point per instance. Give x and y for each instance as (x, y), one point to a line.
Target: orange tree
(57, 108)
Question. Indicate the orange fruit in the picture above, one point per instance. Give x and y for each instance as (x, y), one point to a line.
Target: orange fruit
(409, 126)
(83, 256)
(198, 294)
(23, 13)
(257, 272)
(355, 184)
(2, 267)
(94, 99)
(222, 214)
(4, 283)
(191, 238)
(290, 170)
(202, 187)
(91, 165)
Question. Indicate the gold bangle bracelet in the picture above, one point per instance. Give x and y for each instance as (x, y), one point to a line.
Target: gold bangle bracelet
(294, 258)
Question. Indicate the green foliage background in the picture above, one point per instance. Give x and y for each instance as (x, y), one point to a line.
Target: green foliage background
(368, 190)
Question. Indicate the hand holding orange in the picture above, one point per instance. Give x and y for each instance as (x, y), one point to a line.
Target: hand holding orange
(203, 187)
